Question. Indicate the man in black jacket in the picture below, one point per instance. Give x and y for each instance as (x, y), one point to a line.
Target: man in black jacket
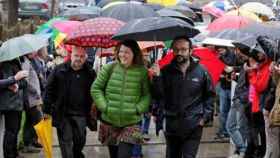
(186, 89)
(68, 100)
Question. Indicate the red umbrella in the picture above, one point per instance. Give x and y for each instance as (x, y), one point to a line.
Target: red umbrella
(95, 32)
(208, 58)
(229, 22)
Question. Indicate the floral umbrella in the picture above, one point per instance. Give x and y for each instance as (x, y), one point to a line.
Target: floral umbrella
(95, 33)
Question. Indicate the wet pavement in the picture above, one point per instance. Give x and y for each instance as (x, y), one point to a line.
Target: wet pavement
(155, 148)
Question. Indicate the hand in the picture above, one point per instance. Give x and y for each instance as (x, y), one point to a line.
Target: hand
(265, 113)
(156, 69)
(21, 74)
(201, 122)
(13, 88)
(46, 116)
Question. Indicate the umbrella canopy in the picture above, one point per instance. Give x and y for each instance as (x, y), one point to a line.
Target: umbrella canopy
(129, 11)
(102, 3)
(223, 5)
(20, 46)
(174, 14)
(153, 6)
(260, 29)
(216, 12)
(258, 8)
(95, 33)
(150, 44)
(248, 45)
(229, 34)
(155, 29)
(82, 13)
(228, 22)
(218, 42)
(66, 26)
(184, 10)
(193, 6)
(244, 13)
(163, 2)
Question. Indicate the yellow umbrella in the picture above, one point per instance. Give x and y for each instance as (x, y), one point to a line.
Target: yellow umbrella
(44, 133)
(163, 2)
(258, 8)
(244, 13)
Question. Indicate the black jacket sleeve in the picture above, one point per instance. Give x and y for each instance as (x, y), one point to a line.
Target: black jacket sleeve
(208, 97)
(51, 93)
(5, 83)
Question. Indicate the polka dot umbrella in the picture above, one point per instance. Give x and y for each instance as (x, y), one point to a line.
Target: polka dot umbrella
(95, 33)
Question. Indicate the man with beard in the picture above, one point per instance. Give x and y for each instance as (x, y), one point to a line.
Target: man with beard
(68, 101)
(187, 93)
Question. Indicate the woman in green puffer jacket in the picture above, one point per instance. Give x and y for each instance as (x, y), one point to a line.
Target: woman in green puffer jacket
(121, 93)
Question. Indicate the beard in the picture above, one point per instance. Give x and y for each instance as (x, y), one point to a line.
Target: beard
(181, 59)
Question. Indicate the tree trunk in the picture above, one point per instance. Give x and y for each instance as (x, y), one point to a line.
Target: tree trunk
(13, 12)
(53, 4)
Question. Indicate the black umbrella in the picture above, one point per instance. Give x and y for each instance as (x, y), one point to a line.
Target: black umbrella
(82, 13)
(229, 34)
(155, 29)
(174, 14)
(154, 6)
(129, 11)
(184, 10)
(249, 45)
(260, 29)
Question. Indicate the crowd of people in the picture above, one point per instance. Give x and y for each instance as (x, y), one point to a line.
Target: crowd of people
(124, 94)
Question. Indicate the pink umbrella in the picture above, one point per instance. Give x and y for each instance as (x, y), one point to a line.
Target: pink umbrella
(216, 12)
(66, 26)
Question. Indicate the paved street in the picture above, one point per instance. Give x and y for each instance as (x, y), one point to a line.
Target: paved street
(153, 149)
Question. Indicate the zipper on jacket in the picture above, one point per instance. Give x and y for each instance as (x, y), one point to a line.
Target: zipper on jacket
(123, 88)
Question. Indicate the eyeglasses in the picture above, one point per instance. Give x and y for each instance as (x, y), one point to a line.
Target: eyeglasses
(181, 50)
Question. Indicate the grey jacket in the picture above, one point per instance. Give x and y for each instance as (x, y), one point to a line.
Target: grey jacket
(33, 85)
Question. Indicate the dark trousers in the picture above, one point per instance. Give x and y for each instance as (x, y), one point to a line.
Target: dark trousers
(183, 146)
(72, 136)
(123, 150)
(33, 116)
(12, 127)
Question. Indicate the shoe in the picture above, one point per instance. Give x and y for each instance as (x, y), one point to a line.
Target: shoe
(147, 137)
(30, 149)
(219, 136)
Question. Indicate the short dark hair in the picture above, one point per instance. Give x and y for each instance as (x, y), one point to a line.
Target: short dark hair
(137, 54)
(181, 38)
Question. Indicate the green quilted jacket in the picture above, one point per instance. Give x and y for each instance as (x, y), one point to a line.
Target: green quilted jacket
(121, 94)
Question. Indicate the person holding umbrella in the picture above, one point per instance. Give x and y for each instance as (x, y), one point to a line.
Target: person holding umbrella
(186, 89)
(121, 93)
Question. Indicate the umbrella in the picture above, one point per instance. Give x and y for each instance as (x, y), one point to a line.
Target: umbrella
(129, 11)
(20, 46)
(150, 44)
(117, 3)
(66, 26)
(223, 5)
(228, 22)
(163, 2)
(193, 6)
(216, 12)
(258, 8)
(218, 42)
(260, 29)
(102, 3)
(44, 132)
(248, 45)
(229, 34)
(155, 29)
(82, 13)
(184, 10)
(95, 33)
(175, 14)
(153, 6)
(244, 13)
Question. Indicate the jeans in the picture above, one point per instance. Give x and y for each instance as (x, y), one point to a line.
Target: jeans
(237, 126)
(184, 146)
(12, 127)
(123, 150)
(72, 136)
(225, 102)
